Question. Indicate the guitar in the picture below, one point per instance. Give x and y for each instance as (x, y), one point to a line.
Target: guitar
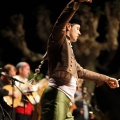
(31, 93)
(14, 102)
(33, 97)
(11, 101)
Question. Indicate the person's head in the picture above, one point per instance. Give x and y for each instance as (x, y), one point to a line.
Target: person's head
(9, 69)
(23, 69)
(85, 94)
(79, 85)
(73, 29)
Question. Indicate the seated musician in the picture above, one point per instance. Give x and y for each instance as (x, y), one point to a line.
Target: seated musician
(7, 112)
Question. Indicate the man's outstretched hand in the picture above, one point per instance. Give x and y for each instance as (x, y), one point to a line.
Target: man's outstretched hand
(112, 82)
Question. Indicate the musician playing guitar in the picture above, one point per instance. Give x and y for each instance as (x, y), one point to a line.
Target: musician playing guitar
(25, 108)
(7, 112)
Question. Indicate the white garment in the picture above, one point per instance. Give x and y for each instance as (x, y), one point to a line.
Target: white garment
(20, 85)
(69, 89)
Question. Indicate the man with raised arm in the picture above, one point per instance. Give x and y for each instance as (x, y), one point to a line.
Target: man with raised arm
(63, 69)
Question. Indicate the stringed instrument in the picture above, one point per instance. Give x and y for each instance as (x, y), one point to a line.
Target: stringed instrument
(30, 91)
(11, 101)
(33, 97)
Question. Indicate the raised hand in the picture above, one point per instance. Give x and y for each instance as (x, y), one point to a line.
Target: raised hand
(90, 1)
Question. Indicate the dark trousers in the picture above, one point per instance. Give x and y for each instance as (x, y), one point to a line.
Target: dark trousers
(7, 113)
(23, 117)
